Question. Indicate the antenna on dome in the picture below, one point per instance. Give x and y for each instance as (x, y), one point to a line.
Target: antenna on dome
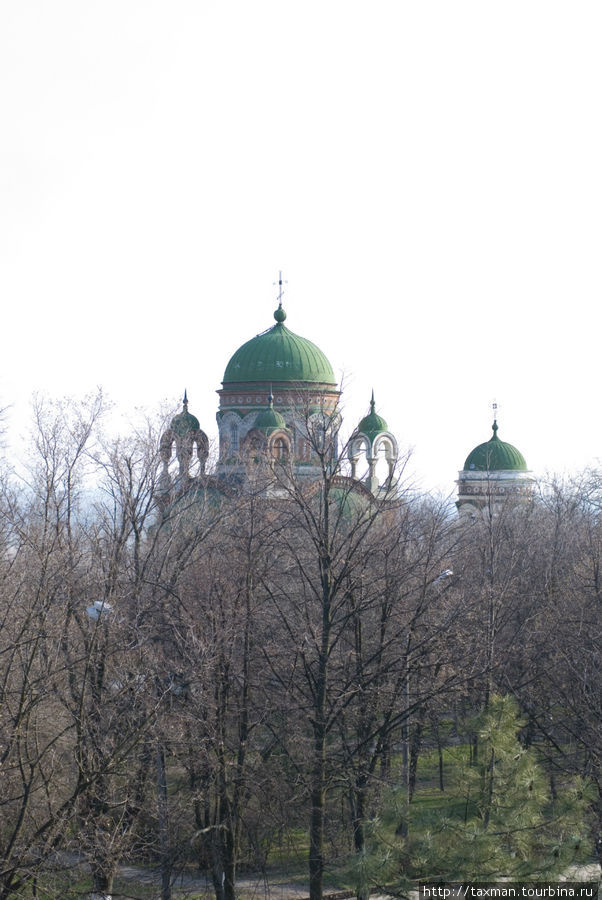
(280, 282)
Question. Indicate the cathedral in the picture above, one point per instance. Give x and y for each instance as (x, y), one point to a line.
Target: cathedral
(278, 404)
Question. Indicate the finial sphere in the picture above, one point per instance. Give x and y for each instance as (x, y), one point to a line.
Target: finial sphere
(279, 315)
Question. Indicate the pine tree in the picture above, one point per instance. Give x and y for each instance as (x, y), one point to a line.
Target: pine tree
(501, 823)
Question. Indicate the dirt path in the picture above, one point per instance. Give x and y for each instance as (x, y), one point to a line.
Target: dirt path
(273, 887)
(187, 883)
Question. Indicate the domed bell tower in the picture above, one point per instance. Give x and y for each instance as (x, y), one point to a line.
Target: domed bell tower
(373, 439)
(185, 434)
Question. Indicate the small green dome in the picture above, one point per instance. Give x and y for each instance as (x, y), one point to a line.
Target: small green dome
(279, 355)
(351, 504)
(184, 421)
(269, 420)
(495, 456)
(372, 424)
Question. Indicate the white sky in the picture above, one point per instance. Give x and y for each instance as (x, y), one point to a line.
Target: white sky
(428, 176)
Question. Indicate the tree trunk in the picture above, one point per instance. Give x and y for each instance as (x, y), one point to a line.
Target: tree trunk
(358, 813)
(489, 789)
(163, 815)
(415, 745)
(316, 829)
(358, 807)
(217, 870)
(102, 884)
(318, 790)
(229, 862)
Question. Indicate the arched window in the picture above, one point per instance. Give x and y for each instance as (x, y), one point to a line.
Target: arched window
(234, 438)
(280, 449)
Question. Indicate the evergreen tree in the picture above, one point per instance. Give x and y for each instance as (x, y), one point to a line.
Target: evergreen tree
(500, 822)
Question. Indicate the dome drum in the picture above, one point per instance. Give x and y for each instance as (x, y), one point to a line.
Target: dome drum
(242, 399)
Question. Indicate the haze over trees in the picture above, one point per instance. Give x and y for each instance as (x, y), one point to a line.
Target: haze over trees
(247, 678)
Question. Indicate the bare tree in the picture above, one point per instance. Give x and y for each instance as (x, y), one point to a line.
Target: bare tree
(328, 530)
(41, 557)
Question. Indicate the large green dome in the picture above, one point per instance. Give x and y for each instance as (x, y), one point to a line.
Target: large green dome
(279, 355)
(495, 456)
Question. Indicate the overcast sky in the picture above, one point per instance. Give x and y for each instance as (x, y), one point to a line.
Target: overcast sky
(428, 176)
